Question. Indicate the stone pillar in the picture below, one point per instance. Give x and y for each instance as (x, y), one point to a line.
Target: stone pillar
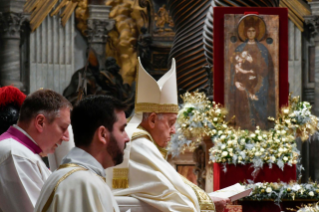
(311, 160)
(99, 25)
(12, 22)
(312, 22)
(51, 54)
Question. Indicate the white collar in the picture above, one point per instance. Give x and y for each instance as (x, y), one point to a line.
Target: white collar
(25, 133)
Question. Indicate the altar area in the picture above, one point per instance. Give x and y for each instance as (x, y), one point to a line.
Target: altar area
(247, 77)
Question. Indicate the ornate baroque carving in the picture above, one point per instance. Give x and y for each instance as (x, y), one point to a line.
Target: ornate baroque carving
(11, 24)
(312, 21)
(129, 17)
(97, 30)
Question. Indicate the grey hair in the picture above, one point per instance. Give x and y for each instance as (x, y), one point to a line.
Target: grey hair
(146, 115)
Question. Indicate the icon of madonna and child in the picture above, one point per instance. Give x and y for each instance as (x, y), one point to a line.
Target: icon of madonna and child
(252, 85)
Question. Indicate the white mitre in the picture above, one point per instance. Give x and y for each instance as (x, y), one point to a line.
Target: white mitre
(151, 96)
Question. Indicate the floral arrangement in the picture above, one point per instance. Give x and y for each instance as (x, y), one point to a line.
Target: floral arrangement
(283, 191)
(199, 117)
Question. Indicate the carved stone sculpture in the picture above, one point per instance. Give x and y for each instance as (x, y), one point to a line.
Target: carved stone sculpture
(11, 26)
(90, 80)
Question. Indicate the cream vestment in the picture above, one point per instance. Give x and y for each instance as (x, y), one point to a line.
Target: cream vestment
(77, 186)
(22, 171)
(145, 174)
(153, 180)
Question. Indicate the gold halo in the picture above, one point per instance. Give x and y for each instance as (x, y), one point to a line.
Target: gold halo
(241, 27)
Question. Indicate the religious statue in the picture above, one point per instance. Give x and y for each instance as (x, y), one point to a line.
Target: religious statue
(91, 81)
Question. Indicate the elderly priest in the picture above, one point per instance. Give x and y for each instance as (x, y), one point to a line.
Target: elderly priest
(145, 174)
(79, 183)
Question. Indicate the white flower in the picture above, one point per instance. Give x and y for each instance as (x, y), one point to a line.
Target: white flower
(311, 193)
(218, 111)
(215, 119)
(257, 154)
(242, 141)
(230, 142)
(240, 158)
(285, 158)
(262, 149)
(264, 136)
(229, 132)
(223, 137)
(230, 149)
(277, 140)
(259, 137)
(277, 131)
(269, 141)
(283, 132)
(253, 149)
(223, 146)
(224, 126)
(273, 158)
(283, 139)
(220, 132)
(286, 111)
(280, 149)
(287, 121)
(258, 185)
(214, 131)
(257, 131)
(225, 153)
(296, 188)
(253, 135)
(268, 190)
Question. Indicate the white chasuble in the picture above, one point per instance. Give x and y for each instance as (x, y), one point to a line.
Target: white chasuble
(77, 186)
(153, 180)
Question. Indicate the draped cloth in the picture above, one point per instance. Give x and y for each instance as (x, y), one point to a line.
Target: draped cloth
(22, 171)
(153, 180)
(77, 186)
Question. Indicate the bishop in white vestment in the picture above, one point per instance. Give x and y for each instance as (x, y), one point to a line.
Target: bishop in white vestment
(145, 174)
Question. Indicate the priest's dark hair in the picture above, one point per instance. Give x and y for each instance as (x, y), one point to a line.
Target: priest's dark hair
(43, 101)
(91, 113)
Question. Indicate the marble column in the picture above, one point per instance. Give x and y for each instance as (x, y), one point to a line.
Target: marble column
(12, 21)
(51, 54)
(311, 158)
(99, 25)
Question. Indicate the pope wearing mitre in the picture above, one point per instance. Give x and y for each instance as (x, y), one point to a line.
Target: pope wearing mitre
(145, 173)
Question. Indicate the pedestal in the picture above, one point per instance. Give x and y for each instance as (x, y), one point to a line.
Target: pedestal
(242, 173)
(267, 206)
